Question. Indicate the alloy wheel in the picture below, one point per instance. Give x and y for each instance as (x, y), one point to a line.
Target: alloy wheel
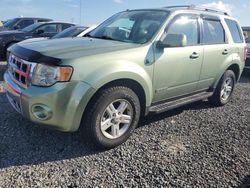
(116, 119)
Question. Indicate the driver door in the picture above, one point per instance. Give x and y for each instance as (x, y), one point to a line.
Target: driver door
(177, 69)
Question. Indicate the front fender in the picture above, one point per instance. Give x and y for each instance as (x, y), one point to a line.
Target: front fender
(122, 70)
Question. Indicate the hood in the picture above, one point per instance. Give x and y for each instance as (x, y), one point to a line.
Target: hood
(11, 32)
(33, 40)
(72, 48)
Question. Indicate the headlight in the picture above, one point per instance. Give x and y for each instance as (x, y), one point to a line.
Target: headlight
(45, 75)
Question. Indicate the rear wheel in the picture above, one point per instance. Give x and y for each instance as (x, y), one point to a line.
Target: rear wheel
(113, 116)
(224, 89)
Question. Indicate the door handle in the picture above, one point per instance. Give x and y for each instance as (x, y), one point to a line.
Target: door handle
(194, 55)
(225, 52)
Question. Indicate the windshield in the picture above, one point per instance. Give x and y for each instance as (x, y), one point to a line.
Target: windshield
(70, 32)
(31, 27)
(131, 26)
(10, 24)
(248, 34)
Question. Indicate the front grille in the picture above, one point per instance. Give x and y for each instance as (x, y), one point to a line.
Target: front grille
(19, 70)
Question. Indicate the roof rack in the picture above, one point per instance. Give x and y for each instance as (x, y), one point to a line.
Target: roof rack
(194, 7)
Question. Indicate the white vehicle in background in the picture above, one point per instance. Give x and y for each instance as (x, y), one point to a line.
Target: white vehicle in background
(74, 31)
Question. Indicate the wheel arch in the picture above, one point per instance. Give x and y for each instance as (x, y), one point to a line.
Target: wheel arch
(233, 67)
(126, 82)
(236, 69)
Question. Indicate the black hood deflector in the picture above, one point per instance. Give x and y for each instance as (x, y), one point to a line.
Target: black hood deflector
(33, 56)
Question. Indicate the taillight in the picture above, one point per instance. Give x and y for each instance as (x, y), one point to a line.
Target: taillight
(245, 54)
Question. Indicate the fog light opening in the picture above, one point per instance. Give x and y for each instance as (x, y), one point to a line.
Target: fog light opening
(42, 112)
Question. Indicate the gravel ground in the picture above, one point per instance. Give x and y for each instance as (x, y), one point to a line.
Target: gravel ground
(193, 146)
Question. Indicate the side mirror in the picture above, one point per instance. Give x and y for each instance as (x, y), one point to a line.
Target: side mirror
(173, 40)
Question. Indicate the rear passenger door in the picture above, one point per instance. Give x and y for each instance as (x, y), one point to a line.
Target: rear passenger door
(216, 50)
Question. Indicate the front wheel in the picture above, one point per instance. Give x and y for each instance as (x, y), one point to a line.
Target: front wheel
(113, 116)
(224, 89)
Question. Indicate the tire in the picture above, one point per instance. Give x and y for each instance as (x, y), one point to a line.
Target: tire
(224, 89)
(112, 116)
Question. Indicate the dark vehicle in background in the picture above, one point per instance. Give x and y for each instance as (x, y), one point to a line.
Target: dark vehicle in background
(48, 30)
(20, 23)
(247, 30)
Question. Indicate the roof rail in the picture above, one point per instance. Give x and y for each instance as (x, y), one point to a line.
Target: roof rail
(202, 8)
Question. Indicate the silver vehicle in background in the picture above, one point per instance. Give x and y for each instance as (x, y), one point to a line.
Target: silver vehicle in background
(74, 31)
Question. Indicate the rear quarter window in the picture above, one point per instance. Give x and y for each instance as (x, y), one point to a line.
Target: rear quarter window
(234, 30)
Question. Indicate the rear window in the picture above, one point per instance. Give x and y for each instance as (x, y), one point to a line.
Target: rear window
(234, 30)
(213, 32)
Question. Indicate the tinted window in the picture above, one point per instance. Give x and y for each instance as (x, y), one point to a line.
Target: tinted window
(187, 26)
(24, 23)
(11, 23)
(65, 26)
(42, 20)
(49, 28)
(234, 30)
(213, 32)
(31, 27)
(70, 32)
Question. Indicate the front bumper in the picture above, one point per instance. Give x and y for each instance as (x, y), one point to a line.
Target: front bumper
(65, 101)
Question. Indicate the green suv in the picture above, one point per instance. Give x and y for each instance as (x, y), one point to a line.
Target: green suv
(135, 63)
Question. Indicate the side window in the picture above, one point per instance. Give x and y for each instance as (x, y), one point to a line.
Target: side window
(65, 26)
(24, 23)
(42, 20)
(188, 26)
(213, 32)
(49, 28)
(234, 30)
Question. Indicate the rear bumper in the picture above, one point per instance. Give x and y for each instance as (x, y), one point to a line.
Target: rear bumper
(247, 65)
(64, 102)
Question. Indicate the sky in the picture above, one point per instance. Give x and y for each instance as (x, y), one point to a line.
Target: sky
(89, 12)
